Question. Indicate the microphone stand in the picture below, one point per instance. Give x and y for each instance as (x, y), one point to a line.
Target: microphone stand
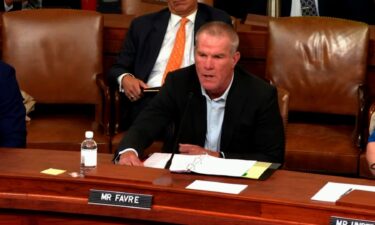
(175, 144)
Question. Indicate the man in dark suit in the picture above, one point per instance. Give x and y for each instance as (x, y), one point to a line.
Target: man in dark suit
(10, 5)
(218, 109)
(12, 110)
(325, 8)
(359, 10)
(145, 52)
(240, 8)
(73, 4)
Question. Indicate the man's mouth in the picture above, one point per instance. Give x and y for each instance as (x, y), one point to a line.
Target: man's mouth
(175, 3)
(208, 76)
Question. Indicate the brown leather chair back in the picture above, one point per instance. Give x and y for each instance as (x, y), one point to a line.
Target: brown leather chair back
(57, 53)
(320, 61)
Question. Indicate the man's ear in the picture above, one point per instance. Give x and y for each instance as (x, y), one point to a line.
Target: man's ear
(236, 58)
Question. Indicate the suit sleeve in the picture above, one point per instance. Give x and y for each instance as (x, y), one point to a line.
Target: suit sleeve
(12, 111)
(125, 60)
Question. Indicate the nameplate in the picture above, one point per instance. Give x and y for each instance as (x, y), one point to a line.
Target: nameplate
(346, 221)
(120, 199)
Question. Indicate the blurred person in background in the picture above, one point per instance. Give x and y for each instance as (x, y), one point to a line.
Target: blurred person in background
(12, 110)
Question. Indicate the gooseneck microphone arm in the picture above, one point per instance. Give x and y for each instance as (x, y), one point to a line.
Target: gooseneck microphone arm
(182, 123)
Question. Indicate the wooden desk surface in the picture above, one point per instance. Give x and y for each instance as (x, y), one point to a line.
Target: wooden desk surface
(282, 199)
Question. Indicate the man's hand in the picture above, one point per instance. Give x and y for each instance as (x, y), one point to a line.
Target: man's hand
(196, 150)
(129, 158)
(133, 87)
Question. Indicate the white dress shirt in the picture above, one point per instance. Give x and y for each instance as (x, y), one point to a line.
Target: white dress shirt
(7, 8)
(215, 117)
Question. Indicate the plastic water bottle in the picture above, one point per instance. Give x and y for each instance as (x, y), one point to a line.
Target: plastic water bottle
(89, 151)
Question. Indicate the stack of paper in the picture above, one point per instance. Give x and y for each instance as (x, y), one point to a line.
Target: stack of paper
(209, 165)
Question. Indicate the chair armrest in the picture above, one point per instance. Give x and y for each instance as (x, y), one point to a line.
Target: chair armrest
(104, 111)
(117, 109)
(360, 134)
(120, 106)
(283, 99)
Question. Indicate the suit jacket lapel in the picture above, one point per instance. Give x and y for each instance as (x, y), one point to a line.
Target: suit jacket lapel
(233, 109)
(324, 8)
(286, 7)
(157, 36)
(199, 120)
(200, 19)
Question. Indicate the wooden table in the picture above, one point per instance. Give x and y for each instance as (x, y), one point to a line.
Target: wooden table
(29, 197)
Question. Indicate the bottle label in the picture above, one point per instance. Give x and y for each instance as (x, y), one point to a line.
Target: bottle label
(89, 157)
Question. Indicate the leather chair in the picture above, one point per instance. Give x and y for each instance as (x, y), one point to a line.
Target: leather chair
(321, 62)
(57, 54)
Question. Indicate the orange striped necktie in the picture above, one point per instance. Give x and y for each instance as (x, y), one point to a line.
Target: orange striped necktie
(177, 54)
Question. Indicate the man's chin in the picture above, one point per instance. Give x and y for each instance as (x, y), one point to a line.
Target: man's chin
(208, 88)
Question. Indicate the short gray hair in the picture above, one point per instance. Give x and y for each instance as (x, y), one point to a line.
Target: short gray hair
(220, 29)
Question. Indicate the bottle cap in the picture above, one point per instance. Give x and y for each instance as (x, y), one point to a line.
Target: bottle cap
(89, 134)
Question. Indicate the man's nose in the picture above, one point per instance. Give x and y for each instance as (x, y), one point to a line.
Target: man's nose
(208, 64)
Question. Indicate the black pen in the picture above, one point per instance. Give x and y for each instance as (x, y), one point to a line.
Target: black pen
(347, 192)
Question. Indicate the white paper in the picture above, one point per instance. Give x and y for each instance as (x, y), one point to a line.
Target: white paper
(331, 192)
(216, 187)
(226, 167)
(157, 160)
(203, 164)
(180, 162)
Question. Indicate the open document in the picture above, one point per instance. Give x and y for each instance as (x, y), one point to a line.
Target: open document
(209, 165)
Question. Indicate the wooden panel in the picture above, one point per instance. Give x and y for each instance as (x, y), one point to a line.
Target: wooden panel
(138, 7)
(23, 217)
(59, 199)
(115, 29)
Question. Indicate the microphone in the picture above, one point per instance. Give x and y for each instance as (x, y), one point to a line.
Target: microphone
(183, 118)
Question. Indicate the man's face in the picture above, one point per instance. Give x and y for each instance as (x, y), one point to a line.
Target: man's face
(182, 8)
(215, 63)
